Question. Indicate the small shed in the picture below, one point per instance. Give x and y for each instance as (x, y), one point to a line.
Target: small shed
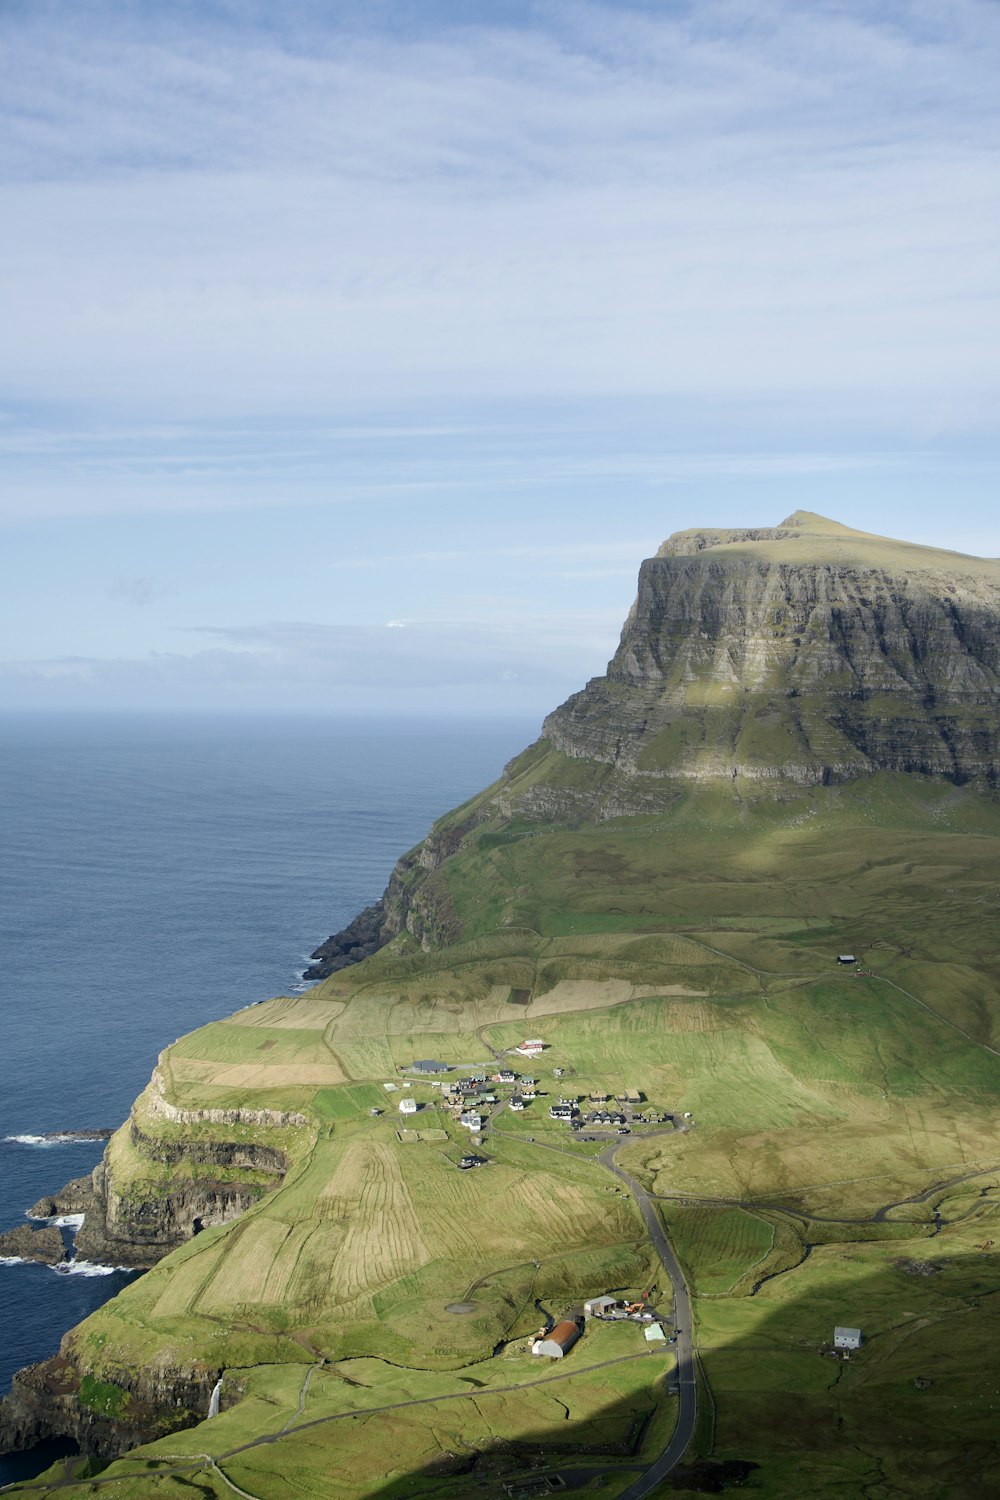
(847, 1338)
(653, 1333)
(598, 1306)
(846, 958)
(558, 1341)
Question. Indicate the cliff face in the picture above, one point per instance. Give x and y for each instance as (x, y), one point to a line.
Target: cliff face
(167, 1174)
(805, 653)
(104, 1417)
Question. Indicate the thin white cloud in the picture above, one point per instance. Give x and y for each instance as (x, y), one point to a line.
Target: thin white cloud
(711, 201)
(302, 665)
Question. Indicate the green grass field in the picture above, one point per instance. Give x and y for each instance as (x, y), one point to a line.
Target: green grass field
(690, 955)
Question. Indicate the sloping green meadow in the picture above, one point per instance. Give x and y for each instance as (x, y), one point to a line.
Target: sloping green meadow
(690, 955)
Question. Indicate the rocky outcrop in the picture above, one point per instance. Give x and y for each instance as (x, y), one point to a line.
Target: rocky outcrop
(106, 1415)
(412, 902)
(358, 940)
(43, 1245)
(138, 1227)
(137, 1222)
(74, 1198)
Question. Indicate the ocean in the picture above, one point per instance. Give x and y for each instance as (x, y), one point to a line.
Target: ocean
(157, 873)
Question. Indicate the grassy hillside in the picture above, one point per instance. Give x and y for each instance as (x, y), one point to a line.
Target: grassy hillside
(841, 1167)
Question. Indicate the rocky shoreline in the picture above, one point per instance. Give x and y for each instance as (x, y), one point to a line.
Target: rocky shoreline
(358, 940)
(43, 1245)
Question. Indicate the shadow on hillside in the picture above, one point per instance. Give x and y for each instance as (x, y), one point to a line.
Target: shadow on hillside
(914, 1412)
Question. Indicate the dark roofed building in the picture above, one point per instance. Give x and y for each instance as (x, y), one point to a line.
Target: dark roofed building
(429, 1065)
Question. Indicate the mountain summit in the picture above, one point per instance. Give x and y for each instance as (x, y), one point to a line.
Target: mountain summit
(806, 652)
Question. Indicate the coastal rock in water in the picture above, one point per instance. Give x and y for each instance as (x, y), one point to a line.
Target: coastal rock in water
(55, 1136)
(43, 1245)
(75, 1198)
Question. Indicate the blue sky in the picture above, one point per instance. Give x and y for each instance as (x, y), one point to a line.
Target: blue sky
(353, 356)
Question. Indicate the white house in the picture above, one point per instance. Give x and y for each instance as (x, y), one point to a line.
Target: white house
(408, 1106)
(471, 1120)
(847, 1338)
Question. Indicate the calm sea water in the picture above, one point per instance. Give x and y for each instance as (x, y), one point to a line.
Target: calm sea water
(156, 874)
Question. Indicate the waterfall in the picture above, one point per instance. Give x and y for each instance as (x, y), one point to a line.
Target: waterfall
(213, 1400)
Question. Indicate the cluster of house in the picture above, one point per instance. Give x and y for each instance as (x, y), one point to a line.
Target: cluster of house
(601, 1113)
(469, 1097)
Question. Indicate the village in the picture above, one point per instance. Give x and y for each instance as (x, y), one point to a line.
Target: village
(473, 1100)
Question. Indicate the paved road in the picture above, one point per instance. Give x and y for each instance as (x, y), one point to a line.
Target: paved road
(687, 1382)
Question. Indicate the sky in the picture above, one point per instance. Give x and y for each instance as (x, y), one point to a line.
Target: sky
(353, 356)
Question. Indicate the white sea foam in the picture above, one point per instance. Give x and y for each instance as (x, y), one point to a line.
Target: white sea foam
(13, 1260)
(50, 1140)
(58, 1221)
(86, 1268)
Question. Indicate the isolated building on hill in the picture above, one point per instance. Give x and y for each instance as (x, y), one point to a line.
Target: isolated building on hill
(847, 1338)
(408, 1106)
(558, 1341)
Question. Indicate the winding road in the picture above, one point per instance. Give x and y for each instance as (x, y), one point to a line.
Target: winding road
(687, 1380)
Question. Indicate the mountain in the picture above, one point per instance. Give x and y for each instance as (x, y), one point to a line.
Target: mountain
(804, 652)
(767, 659)
(746, 884)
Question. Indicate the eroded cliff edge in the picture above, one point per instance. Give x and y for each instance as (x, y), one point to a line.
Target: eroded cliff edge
(168, 1175)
